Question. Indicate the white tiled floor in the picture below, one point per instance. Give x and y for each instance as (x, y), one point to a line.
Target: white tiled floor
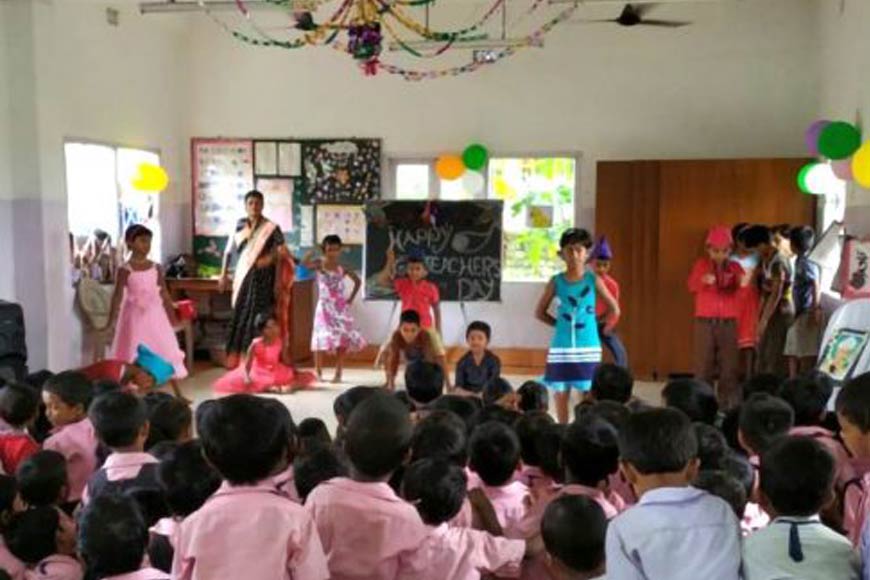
(317, 402)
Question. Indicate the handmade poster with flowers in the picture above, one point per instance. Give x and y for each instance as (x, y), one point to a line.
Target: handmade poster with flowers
(855, 269)
(842, 353)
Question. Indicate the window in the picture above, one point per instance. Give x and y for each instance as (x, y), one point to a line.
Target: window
(538, 195)
(417, 179)
(100, 195)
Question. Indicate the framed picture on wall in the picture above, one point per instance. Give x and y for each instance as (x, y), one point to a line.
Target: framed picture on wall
(842, 353)
(855, 269)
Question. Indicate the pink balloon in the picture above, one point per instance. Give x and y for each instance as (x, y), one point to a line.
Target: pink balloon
(812, 136)
(843, 169)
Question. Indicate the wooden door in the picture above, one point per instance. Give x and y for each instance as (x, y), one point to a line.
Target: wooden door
(690, 196)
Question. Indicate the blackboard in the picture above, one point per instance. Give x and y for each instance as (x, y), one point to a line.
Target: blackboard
(460, 241)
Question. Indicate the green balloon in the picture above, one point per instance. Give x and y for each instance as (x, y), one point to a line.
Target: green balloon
(802, 177)
(839, 140)
(475, 157)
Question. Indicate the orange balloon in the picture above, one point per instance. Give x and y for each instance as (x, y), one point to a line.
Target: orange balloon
(449, 167)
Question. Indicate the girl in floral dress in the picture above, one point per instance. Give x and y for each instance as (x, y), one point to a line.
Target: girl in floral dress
(334, 329)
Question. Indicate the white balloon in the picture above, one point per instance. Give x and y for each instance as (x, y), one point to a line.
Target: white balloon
(821, 179)
(473, 182)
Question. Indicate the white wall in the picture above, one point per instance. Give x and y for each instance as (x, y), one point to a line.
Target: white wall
(741, 82)
(7, 280)
(844, 90)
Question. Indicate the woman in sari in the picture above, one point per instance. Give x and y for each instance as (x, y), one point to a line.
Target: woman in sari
(260, 283)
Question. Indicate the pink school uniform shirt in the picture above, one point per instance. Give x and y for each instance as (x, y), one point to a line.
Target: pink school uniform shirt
(248, 531)
(463, 553)
(121, 466)
(418, 296)
(538, 482)
(844, 472)
(77, 442)
(143, 574)
(56, 567)
(510, 503)
(368, 532)
(286, 484)
(13, 566)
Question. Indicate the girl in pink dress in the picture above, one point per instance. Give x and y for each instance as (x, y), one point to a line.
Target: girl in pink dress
(146, 315)
(263, 370)
(334, 329)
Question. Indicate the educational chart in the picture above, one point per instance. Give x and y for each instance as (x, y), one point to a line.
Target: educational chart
(286, 172)
(460, 242)
(342, 171)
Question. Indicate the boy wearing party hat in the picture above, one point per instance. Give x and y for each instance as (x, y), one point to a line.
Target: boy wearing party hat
(601, 259)
(714, 281)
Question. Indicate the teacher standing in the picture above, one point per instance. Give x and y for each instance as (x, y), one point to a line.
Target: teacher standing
(256, 282)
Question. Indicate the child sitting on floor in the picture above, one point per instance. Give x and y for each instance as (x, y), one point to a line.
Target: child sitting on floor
(19, 407)
(694, 398)
(675, 531)
(121, 422)
(424, 382)
(478, 367)
(312, 469)
(385, 531)
(529, 428)
(170, 420)
(413, 342)
(574, 530)
(437, 489)
(67, 397)
(533, 396)
(247, 440)
(46, 542)
(494, 452)
(797, 481)
(112, 540)
(853, 412)
(612, 383)
(42, 479)
(10, 503)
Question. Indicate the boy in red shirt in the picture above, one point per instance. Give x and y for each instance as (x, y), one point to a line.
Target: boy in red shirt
(714, 281)
(19, 405)
(602, 256)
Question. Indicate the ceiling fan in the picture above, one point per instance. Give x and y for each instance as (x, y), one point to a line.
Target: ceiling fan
(634, 15)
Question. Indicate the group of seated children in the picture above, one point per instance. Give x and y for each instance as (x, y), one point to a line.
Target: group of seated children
(423, 484)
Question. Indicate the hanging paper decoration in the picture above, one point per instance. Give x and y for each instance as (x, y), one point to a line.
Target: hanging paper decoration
(839, 140)
(150, 178)
(861, 166)
(357, 27)
(812, 136)
(475, 157)
(449, 167)
(473, 182)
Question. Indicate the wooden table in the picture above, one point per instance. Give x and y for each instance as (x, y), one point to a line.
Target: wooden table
(214, 308)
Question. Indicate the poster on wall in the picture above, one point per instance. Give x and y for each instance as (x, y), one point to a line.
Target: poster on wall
(223, 172)
(345, 221)
(289, 159)
(855, 280)
(266, 158)
(278, 201)
(342, 171)
(842, 352)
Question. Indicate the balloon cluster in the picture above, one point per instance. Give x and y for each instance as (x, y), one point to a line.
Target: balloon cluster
(150, 178)
(845, 158)
(467, 167)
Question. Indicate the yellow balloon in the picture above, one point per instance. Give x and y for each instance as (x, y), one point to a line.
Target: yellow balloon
(449, 167)
(150, 178)
(861, 166)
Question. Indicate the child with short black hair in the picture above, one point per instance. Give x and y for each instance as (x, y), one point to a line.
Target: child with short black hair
(712, 447)
(376, 443)
(529, 428)
(413, 342)
(797, 482)
(853, 413)
(424, 382)
(19, 407)
(804, 337)
(496, 390)
(494, 454)
(612, 383)
(170, 419)
(9, 504)
(466, 408)
(345, 403)
(753, 517)
(438, 490)
(725, 486)
(42, 479)
(694, 398)
(675, 531)
(574, 529)
(67, 397)
(479, 366)
(112, 540)
(763, 420)
(533, 396)
(121, 422)
(46, 542)
(312, 434)
(312, 469)
(575, 351)
(247, 440)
